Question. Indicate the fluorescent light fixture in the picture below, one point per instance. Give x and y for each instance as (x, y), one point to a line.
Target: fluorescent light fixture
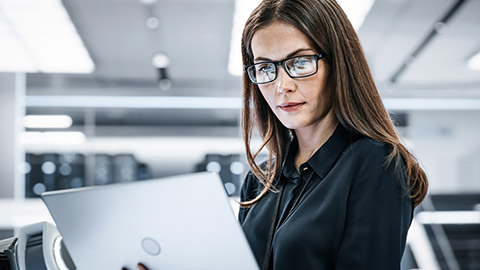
(47, 121)
(474, 62)
(448, 217)
(356, 10)
(64, 137)
(38, 36)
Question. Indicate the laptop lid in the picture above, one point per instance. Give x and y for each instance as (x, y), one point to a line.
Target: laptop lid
(181, 222)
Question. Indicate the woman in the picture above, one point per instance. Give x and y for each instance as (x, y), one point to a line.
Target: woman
(338, 188)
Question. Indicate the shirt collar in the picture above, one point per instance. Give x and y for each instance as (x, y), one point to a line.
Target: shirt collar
(323, 160)
(289, 170)
(325, 157)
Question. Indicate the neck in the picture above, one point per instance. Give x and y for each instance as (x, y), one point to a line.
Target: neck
(311, 138)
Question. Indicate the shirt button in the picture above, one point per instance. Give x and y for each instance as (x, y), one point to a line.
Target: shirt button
(305, 169)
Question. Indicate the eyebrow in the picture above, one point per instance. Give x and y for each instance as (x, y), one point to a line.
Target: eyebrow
(288, 56)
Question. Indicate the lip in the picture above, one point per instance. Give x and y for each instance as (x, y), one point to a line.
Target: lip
(291, 106)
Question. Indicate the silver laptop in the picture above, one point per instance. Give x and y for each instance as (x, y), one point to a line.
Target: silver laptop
(181, 222)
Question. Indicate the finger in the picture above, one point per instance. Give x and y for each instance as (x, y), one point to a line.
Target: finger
(142, 267)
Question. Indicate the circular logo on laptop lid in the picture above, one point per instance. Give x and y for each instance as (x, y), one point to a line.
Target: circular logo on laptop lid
(150, 246)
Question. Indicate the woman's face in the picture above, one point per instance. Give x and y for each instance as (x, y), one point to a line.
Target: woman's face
(297, 103)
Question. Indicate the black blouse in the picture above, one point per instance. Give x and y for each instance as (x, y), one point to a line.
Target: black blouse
(346, 209)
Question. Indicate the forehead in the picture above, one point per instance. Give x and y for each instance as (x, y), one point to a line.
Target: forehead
(277, 40)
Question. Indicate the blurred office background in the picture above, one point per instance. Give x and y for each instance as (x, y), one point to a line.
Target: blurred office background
(95, 92)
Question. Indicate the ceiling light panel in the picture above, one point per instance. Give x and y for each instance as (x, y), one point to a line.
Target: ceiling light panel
(38, 36)
(13, 54)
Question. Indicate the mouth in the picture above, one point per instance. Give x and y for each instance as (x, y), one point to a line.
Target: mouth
(291, 106)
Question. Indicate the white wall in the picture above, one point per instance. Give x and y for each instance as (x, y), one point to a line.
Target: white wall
(12, 110)
(447, 144)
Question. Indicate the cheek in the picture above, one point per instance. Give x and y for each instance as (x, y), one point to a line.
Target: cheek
(324, 94)
(267, 95)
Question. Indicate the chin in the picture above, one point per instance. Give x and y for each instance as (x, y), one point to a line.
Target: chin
(293, 121)
(291, 125)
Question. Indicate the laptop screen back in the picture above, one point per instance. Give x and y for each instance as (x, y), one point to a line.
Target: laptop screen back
(181, 222)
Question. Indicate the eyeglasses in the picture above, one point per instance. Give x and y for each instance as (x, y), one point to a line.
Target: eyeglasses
(296, 67)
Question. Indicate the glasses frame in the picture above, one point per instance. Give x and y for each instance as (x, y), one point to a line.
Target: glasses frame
(282, 63)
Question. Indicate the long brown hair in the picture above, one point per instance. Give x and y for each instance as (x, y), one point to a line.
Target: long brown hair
(356, 101)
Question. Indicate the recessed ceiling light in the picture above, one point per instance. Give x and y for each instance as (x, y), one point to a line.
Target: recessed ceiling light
(160, 60)
(152, 22)
(148, 2)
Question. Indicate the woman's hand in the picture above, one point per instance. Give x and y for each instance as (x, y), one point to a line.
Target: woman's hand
(140, 266)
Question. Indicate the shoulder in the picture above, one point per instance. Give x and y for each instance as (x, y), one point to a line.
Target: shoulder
(367, 150)
(372, 157)
(365, 145)
(374, 163)
(251, 187)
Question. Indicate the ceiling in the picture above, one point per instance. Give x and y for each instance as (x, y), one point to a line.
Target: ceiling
(420, 48)
(416, 49)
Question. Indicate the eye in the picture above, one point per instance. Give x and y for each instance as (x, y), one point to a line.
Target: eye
(264, 68)
(302, 63)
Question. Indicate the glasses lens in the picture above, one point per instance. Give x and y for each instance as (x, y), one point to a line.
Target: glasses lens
(262, 72)
(301, 66)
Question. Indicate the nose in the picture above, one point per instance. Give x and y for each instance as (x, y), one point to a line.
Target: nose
(285, 84)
